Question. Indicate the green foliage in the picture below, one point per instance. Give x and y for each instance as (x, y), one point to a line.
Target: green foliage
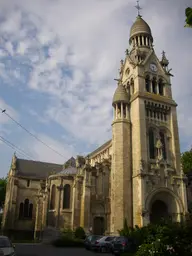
(156, 248)
(163, 239)
(188, 14)
(67, 233)
(68, 242)
(80, 233)
(186, 160)
(3, 184)
(126, 231)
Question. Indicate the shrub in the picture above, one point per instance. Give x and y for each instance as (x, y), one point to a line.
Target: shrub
(68, 233)
(80, 233)
(68, 242)
(166, 238)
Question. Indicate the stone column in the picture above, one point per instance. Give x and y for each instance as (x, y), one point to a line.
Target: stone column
(60, 188)
(86, 199)
(77, 192)
(38, 220)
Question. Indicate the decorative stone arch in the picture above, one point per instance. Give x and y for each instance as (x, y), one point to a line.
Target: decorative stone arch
(169, 198)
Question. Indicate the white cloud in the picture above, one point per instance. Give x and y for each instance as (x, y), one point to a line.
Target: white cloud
(4, 119)
(74, 49)
(42, 153)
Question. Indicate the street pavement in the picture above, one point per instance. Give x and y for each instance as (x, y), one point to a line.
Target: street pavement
(48, 250)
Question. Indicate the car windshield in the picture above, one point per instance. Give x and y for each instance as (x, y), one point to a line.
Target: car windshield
(4, 242)
(96, 238)
(109, 238)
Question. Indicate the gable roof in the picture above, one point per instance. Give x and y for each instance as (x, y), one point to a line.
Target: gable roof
(35, 169)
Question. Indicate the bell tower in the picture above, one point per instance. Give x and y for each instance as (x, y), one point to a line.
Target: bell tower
(146, 151)
(121, 182)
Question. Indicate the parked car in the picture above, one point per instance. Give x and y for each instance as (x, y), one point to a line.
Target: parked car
(90, 241)
(123, 244)
(103, 244)
(111, 244)
(6, 246)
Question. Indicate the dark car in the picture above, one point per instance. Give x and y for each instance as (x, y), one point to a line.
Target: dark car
(6, 247)
(123, 244)
(103, 244)
(90, 241)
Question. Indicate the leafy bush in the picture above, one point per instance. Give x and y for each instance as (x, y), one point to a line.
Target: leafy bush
(68, 233)
(80, 233)
(68, 242)
(126, 231)
(166, 238)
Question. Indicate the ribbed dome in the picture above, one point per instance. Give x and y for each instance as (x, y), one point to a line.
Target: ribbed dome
(120, 95)
(140, 27)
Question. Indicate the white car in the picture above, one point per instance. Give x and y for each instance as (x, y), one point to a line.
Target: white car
(6, 247)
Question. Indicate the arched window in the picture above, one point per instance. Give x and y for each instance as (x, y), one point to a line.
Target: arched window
(151, 144)
(147, 84)
(162, 137)
(66, 196)
(30, 211)
(26, 208)
(154, 85)
(53, 195)
(161, 92)
(21, 211)
(144, 40)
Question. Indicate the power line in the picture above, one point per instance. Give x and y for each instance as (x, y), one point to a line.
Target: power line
(34, 136)
(18, 150)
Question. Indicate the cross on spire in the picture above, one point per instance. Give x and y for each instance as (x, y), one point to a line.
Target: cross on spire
(138, 8)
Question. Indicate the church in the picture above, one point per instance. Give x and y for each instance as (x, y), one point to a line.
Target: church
(137, 175)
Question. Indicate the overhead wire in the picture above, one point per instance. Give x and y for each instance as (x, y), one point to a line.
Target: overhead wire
(31, 134)
(17, 149)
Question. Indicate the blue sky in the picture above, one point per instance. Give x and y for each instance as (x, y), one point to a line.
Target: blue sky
(58, 60)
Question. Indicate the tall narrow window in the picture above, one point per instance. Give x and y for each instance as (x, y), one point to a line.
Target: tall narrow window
(154, 85)
(147, 84)
(28, 183)
(26, 208)
(162, 137)
(66, 196)
(30, 211)
(132, 86)
(21, 211)
(144, 40)
(161, 92)
(151, 144)
(53, 195)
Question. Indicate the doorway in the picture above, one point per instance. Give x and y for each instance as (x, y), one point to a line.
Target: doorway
(159, 212)
(98, 226)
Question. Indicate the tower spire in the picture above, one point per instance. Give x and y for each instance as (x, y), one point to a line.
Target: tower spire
(138, 7)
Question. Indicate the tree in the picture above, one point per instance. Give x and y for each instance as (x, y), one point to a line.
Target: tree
(186, 160)
(188, 14)
(3, 184)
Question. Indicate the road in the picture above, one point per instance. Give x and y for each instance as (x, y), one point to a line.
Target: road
(47, 250)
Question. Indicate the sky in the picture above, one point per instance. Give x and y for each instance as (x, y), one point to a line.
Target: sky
(58, 61)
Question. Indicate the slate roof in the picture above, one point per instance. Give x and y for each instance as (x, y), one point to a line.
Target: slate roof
(70, 170)
(35, 169)
(100, 148)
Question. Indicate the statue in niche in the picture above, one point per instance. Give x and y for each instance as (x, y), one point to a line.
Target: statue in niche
(159, 147)
(121, 68)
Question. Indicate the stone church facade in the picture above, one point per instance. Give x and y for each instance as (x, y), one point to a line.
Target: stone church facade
(136, 175)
